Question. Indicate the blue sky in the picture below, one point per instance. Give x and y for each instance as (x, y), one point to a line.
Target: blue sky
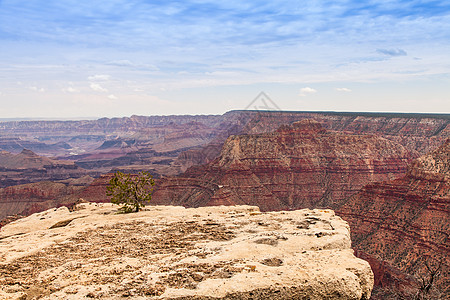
(63, 58)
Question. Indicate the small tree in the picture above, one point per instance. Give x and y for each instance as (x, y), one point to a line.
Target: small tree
(133, 191)
(427, 286)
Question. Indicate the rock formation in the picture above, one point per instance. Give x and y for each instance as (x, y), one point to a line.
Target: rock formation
(404, 223)
(99, 143)
(27, 167)
(29, 198)
(417, 132)
(16, 145)
(298, 166)
(233, 252)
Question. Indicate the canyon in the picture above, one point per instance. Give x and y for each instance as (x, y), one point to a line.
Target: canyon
(403, 224)
(298, 166)
(380, 172)
(28, 167)
(168, 145)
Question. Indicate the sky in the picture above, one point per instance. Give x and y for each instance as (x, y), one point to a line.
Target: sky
(71, 59)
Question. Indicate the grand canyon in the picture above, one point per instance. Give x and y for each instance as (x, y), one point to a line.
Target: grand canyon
(385, 174)
(240, 150)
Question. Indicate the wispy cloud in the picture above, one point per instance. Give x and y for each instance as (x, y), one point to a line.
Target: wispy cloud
(69, 90)
(99, 77)
(346, 90)
(98, 88)
(307, 91)
(129, 64)
(392, 52)
(37, 89)
(112, 97)
(147, 47)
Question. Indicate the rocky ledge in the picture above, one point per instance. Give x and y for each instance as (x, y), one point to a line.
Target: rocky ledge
(164, 252)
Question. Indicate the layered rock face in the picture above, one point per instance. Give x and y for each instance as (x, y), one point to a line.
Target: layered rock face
(417, 132)
(232, 252)
(101, 143)
(405, 222)
(29, 198)
(16, 145)
(27, 167)
(297, 166)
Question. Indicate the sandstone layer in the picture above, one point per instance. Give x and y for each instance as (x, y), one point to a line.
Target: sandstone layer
(233, 252)
(420, 133)
(95, 143)
(298, 166)
(30, 198)
(404, 223)
(27, 167)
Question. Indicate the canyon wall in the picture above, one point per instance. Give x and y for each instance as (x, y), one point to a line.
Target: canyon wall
(419, 133)
(297, 166)
(404, 223)
(28, 167)
(35, 197)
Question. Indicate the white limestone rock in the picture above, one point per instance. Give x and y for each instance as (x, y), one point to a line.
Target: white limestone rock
(164, 252)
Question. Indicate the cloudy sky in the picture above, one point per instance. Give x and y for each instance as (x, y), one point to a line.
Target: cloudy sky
(67, 58)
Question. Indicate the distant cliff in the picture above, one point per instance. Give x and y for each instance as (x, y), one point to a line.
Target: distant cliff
(297, 166)
(419, 133)
(198, 139)
(27, 167)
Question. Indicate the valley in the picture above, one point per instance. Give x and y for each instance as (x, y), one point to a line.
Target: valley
(385, 174)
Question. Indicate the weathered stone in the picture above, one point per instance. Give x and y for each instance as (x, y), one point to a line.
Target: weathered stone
(297, 166)
(403, 225)
(178, 253)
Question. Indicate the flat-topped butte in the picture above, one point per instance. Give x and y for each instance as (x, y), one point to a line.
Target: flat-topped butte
(167, 252)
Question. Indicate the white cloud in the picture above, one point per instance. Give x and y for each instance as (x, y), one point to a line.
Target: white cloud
(36, 89)
(343, 90)
(70, 90)
(99, 77)
(112, 97)
(392, 52)
(130, 64)
(307, 90)
(98, 88)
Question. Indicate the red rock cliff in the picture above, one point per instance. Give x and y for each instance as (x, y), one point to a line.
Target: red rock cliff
(405, 222)
(297, 166)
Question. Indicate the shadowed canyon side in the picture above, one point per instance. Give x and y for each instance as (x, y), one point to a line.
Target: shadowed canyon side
(28, 167)
(297, 166)
(405, 223)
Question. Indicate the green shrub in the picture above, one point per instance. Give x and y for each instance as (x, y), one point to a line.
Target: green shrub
(132, 191)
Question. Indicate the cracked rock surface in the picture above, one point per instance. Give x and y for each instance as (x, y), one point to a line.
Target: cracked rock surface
(168, 252)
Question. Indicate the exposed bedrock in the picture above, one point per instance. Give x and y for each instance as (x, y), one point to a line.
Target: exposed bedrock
(233, 252)
(297, 166)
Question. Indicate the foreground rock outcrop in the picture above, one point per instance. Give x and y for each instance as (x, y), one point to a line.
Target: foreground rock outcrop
(403, 225)
(233, 252)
